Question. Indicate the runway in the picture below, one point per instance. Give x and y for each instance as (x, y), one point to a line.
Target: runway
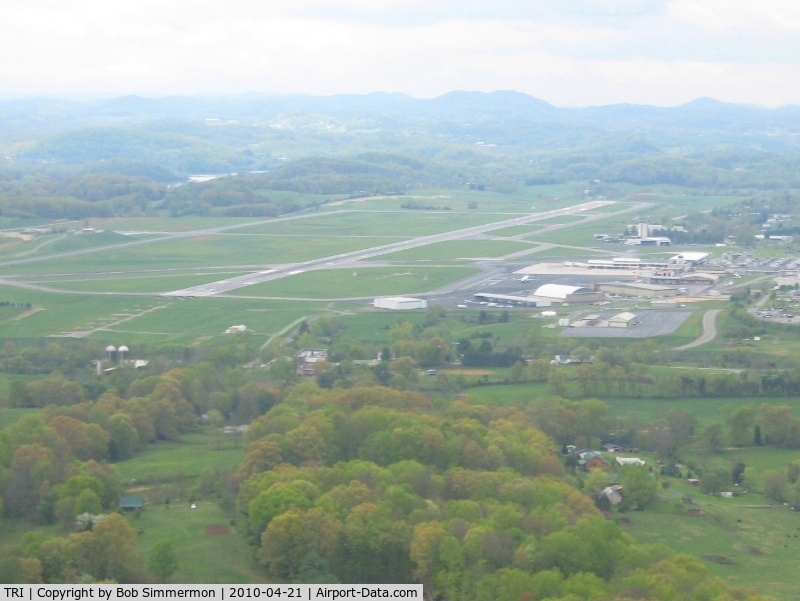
(341, 260)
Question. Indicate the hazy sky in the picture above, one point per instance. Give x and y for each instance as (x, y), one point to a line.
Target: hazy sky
(568, 52)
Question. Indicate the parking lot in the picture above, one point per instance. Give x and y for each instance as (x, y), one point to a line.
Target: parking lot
(748, 263)
(648, 323)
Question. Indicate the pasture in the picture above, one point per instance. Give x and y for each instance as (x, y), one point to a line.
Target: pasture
(184, 459)
(707, 410)
(756, 548)
(168, 469)
(200, 555)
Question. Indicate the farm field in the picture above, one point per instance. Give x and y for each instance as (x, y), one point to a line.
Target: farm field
(359, 281)
(707, 410)
(756, 548)
(507, 395)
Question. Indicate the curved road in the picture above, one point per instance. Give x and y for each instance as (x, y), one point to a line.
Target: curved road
(709, 331)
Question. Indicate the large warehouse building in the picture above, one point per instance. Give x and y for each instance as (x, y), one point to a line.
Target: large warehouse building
(638, 289)
(567, 294)
(400, 303)
(524, 301)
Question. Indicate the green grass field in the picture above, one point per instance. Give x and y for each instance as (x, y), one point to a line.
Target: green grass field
(583, 234)
(358, 281)
(458, 249)
(524, 200)
(205, 318)
(172, 224)
(10, 416)
(165, 282)
(517, 230)
(754, 548)
(377, 223)
(571, 254)
(179, 463)
(143, 319)
(198, 252)
(66, 242)
(202, 558)
(176, 460)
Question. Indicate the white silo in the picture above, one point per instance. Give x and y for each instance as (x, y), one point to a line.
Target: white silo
(122, 350)
(111, 352)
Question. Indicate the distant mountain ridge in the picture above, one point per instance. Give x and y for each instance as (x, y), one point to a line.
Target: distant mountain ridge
(47, 115)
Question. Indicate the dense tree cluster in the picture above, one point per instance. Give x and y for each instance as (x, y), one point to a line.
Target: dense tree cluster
(51, 463)
(106, 553)
(375, 485)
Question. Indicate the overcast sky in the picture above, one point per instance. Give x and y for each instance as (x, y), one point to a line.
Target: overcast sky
(567, 52)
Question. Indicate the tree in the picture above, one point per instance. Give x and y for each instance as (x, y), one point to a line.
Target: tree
(87, 502)
(714, 437)
(596, 480)
(109, 550)
(737, 472)
(740, 424)
(163, 562)
(291, 536)
(124, 437)
(638, 486)
(557, 382)
(518, 372)
(315, 570)
(715, 481)
(581, 354)
(775, 486)
(382, 373)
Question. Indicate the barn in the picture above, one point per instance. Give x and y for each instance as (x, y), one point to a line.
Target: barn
(622, 320)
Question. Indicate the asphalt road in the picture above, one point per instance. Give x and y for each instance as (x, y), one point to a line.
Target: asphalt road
(709, 331)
